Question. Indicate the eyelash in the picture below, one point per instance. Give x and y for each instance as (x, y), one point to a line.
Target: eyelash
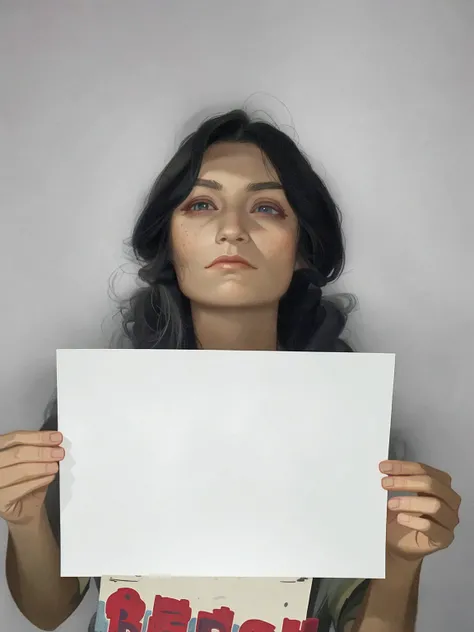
(279, 211)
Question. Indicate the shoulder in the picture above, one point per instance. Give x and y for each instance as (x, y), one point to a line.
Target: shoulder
(50, 415)
(336, 602)
(340, 345)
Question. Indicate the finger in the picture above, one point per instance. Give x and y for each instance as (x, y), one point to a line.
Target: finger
(24, 437)
(29, 454)
(438, 535)
(427, 505)
(409, 468)
(423, 485)
(17, 492)
(26, 472)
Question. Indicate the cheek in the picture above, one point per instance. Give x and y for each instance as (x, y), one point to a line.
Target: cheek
(282, 249)
(181, 243)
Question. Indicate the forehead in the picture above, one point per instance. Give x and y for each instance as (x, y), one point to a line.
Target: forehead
(243, 160)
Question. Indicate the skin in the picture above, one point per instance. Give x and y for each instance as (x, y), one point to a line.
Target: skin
(235, 308)
(417, 526)
(28, 463)
(232, 308)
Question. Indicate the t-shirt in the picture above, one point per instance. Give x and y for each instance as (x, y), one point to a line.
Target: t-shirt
(334, 602)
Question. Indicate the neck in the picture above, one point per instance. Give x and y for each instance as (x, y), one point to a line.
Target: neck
(244, 329)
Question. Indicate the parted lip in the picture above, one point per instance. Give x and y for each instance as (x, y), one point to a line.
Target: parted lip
(230, 259)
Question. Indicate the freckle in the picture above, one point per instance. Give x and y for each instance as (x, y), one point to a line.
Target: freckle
(285, 605)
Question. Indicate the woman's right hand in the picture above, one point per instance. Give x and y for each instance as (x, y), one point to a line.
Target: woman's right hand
(29, 462)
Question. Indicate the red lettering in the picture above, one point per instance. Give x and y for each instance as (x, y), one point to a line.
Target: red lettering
(169, 615)
(308, 625)
(220, 619)
(125, 609)
(256, 625)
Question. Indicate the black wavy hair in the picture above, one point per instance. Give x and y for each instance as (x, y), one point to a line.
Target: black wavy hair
(158, 315)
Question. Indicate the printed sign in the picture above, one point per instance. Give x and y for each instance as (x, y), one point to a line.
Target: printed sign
(171, 604)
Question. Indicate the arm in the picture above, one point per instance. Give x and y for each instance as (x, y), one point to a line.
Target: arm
(33, 575)
(418, 525)
(390, 604)
(29, 502)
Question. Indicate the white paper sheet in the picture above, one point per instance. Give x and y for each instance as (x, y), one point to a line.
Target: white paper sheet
(223, 463)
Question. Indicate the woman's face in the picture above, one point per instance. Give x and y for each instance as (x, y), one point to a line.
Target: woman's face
(237, 208)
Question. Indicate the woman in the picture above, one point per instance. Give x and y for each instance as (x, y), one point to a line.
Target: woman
(243, 192)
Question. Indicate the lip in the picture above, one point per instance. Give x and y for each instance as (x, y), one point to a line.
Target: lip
(230, 261)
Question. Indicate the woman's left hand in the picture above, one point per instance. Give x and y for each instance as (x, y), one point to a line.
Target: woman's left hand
(422, 524)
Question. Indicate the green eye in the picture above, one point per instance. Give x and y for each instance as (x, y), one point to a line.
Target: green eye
(199, 206)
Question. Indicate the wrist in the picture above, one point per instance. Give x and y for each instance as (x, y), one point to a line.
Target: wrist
(28, 526)
(399, 570)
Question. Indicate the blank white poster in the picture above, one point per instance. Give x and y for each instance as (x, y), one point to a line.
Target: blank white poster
(223, 463)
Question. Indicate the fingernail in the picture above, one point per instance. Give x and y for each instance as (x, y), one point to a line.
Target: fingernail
(393, 503)
(55, 437)
(386, 467)
(388, 482)
(57, 453)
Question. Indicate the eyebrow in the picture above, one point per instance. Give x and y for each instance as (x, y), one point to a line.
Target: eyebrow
(254, 186)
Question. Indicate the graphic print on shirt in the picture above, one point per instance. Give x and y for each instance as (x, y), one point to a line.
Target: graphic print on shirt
(171, 604)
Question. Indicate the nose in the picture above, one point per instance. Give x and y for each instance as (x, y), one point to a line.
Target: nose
(232, 230)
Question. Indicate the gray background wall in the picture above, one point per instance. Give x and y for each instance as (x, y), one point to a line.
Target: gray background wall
(94, 98)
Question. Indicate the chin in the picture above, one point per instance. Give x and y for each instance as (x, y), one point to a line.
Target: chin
(234, 300)
(233, 295)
